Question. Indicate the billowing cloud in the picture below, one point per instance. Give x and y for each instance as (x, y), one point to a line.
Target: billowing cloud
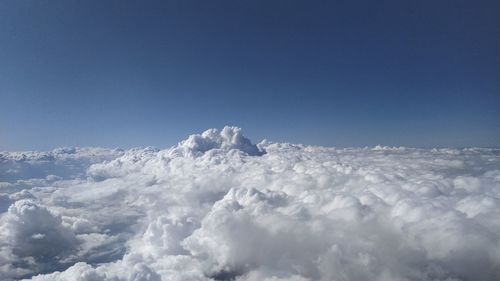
(217, 207)
(31, 168)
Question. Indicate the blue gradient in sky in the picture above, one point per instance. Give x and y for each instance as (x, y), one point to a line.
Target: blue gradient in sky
(343, 73)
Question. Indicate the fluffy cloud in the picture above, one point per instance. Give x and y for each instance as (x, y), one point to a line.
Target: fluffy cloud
(32, 168)
(217, 207)
(34, 238)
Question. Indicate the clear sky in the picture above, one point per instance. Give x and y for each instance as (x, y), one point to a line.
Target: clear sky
(342, 73)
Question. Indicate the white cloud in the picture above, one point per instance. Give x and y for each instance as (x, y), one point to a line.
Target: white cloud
(32, 168)
(215, 206)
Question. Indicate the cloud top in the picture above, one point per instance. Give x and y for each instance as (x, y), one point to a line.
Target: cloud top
(210, 209)
(227, 139)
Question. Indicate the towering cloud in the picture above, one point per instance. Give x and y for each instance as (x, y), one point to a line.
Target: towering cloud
(217, 207)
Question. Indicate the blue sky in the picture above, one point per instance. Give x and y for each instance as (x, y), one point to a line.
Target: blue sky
(342, 73)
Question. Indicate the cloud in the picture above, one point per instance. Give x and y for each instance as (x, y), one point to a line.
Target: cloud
(34, 238)
(31, 168)
(217, 207)
(229, 138)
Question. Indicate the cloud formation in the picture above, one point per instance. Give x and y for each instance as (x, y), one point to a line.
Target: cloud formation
(217, 207)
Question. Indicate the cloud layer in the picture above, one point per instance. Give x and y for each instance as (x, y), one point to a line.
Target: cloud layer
(217, 207)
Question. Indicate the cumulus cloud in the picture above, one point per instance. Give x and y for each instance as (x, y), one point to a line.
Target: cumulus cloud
(33, 168)
(229, 138)
(217, 207)
(34, 238)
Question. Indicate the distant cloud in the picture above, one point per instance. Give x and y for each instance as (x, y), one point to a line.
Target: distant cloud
(217, 207)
